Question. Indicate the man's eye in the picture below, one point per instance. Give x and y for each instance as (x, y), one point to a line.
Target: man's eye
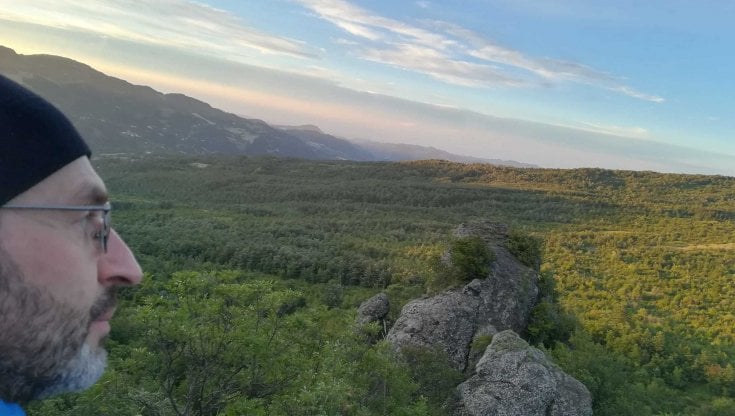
(93, 220)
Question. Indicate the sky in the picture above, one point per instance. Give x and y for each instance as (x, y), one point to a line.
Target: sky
(629, 84)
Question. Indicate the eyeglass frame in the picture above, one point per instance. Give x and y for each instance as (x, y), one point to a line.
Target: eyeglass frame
(106, 209)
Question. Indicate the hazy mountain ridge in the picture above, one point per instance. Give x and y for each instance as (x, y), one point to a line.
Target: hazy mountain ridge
(368, 150)
(331, 146)
(116, 116)
(399, 151)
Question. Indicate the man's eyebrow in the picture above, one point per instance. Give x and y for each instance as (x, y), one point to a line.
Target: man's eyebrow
(91, 194)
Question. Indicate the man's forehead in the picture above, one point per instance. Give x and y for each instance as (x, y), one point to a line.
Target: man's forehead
(76, 184)
(87, 187)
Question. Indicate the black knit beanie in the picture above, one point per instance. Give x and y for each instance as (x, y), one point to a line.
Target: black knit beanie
(36, 140)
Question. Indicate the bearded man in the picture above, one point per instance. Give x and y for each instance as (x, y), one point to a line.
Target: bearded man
(60, 261)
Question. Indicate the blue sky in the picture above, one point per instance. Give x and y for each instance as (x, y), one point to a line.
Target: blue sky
(558, 83)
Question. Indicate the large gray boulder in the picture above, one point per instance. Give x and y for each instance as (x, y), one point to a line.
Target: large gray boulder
(452, 319)
(515, 379)
(506, 296)
(446, 321)
(374, 309)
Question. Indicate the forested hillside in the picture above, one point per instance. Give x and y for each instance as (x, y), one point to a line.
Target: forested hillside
(255, 268)
(117, 117)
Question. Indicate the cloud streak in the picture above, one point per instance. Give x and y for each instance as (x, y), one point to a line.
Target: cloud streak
(613, 130)
(456, 55)
(172, 23)
(443, 51)
(432, 62)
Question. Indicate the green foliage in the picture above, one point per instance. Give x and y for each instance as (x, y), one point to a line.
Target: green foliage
(526, 248)
(643, 261)
(469, 258)
(549, 323)
(720, 406)
(235, 342)
(436, 379)
(333, 295)
(611, 379)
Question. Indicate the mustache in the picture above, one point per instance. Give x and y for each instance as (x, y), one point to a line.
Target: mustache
(107, 301)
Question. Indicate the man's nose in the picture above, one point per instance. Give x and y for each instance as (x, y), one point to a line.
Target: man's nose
(118, 266)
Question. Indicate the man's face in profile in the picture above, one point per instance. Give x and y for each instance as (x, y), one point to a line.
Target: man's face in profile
(57, 286)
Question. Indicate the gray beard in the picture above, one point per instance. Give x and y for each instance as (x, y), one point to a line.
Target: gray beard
(81, 372)
(42, 348)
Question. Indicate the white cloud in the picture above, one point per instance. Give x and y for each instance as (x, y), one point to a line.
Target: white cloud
(345, 42)
(437, 65)
(456, 55)
(357, 30)
(624, 131)
(636, 94)
(173, 23)
(342, 13)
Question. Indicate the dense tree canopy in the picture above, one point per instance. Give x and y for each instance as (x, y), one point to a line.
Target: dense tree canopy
(254, 268)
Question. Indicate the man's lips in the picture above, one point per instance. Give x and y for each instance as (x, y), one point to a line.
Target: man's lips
(106, 315)
(104, 307)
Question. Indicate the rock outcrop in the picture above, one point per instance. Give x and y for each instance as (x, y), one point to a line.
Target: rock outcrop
(513, 378)
(374, 309)
(452, 319)
(510, 377)
(447, 321)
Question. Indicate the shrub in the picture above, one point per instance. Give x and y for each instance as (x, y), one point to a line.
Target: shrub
(431, 371)
(526, 248)
(549, 322)
(469, 258)
(333, 295)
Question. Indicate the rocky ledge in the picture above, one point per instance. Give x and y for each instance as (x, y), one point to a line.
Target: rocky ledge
(509, 377)
(513, 378)
(453, 319)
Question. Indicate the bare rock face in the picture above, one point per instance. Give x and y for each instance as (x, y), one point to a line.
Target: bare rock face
(450, 320)
(373, 310)
(511, 378)
(446, 321)
(515, 379)
(508, 294)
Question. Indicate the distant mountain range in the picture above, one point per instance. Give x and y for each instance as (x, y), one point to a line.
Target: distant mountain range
(116, 116)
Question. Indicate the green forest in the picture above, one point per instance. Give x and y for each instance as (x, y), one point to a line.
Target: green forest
(255, 268)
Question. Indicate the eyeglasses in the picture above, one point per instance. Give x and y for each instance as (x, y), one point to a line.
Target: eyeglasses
(103, 234)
